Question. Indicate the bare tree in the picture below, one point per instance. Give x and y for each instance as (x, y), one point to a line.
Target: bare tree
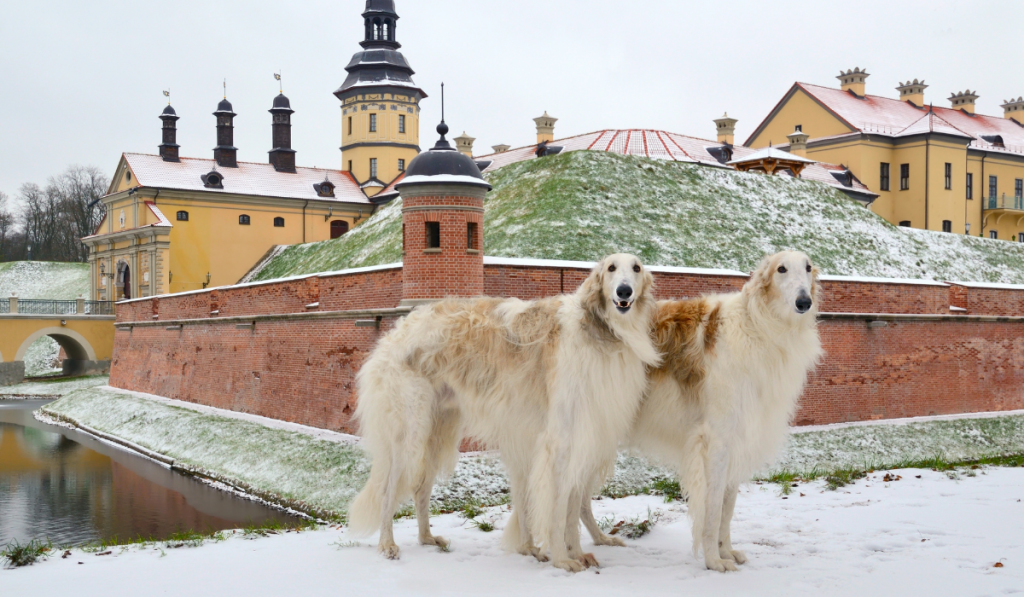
(55, 218)
(6, 227)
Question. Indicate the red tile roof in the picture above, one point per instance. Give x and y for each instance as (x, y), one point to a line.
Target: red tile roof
(664, 146)
(892, 117)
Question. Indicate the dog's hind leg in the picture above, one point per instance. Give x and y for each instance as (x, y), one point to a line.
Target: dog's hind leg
(572, 531)
(389, 505)
(518, 536)
(725, 534)
(444, 440)
(716, 469)
(599, 537)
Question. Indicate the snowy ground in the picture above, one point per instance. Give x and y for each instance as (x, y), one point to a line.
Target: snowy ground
(918, 536)
(45, 389)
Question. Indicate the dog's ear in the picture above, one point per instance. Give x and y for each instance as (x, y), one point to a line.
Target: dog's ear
(761, 279)
(592, 291)
(817, 294)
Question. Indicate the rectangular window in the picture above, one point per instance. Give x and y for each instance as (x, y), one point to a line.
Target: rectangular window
(993, 187)
(350, 166)
(970, 186)
(471, 236)
(947, 226)
(1020, 237)
(993, 234)
(883, 177)
(373, 167)
(401, 165)
(904, 177)
(949, 176)
(349, 125)
(905, 224)
(401, 123)
(373, 123)
(433, 235)
(1018, 188)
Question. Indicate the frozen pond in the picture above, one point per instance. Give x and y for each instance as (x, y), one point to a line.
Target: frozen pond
(67, 487)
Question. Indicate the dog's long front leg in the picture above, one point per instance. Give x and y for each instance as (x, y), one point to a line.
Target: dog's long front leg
(725, 532)
(715, 467)
(599, 537)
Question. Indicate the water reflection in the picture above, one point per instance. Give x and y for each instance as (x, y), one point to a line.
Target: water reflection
(65, 486)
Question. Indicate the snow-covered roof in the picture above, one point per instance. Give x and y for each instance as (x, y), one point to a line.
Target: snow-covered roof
(664, 146)
(770, 153)
(930, 123)
(162, 220)
(247, 179)
(892, 117)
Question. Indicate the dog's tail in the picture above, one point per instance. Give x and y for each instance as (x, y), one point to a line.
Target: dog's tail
(694, 483)
(364, 513)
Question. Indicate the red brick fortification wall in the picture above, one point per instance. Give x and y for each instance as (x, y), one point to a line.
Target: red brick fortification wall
(290, 349)
(876, 369)
(456, 267)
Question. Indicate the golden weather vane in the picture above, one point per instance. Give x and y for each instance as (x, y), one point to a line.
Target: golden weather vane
(225, 88)
(167, 94)
(277, 76)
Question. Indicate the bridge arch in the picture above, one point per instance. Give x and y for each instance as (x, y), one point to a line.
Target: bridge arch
(75, 345)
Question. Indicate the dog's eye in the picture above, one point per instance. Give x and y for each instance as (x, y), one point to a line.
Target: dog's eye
(611, 268)
(636, 268)
(782, 269)
(808, 268)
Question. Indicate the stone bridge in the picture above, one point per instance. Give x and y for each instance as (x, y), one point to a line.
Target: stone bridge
(83, 329)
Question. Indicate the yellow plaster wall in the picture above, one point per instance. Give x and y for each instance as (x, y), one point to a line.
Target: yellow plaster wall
(15, 330)
(803, 110)
(359, 108)
(1008, 223)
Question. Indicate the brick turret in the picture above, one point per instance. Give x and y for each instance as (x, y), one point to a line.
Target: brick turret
(442, 225)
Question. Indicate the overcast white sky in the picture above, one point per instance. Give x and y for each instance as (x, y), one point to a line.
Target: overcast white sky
(82, 81)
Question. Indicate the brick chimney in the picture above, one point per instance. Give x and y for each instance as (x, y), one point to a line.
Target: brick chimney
(854, 80)
(913, 92)
(169, 148)
(225, 153)
(726, 129)
(282, 156)
(545, 127)
(442, 225)
(798, 142)
(964, 100)
(465, 144)
(1014, 109)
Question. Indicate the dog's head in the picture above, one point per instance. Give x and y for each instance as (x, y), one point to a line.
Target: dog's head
(787, 283)
(617, 289)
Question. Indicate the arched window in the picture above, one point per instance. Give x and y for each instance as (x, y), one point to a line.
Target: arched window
(338, 228)
(278, 222)
(389, 30)
(182, 216)
(243, 220)
(378, 29)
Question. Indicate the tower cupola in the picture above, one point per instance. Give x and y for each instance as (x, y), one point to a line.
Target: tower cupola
(380, 103)
(282, 156)
(442, 222)
(225, 153)
(380, 20)
(169, 148)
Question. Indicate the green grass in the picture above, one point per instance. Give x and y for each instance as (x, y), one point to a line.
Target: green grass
(583, 205)
(44, 280)
(630, 528)
(16, 555)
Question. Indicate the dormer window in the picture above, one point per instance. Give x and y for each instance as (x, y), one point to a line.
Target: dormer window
(213, 180)
(182, 216)
(324, 189)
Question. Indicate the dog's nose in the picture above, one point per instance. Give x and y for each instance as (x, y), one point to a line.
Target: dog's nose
(803, 304)
(624, 292)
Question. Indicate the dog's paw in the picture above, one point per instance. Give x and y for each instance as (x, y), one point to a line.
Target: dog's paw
(389, 551)
(588, 560)
(720, 565)
(435, 540)
(569, 565)
(609, 540)
(739, 556)
(532, 550)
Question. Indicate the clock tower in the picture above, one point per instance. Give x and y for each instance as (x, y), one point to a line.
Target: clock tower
(380, 104)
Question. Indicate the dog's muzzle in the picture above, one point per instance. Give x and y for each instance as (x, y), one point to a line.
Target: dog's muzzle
(623, 298)
(803, 303)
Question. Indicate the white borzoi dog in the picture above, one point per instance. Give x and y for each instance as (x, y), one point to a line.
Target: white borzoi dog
(719, 406)
(553, 384)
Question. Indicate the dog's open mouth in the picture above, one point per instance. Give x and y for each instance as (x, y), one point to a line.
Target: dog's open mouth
(623, 306)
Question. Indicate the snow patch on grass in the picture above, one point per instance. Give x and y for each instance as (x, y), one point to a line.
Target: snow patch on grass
(44, 280)
(582, 205)
(58, 388)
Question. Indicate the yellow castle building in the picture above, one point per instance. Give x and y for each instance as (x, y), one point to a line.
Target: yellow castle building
(935, 168)
(175, 224)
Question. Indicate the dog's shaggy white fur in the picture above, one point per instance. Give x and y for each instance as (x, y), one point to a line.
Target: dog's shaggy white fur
(719, 406)
(552, 384)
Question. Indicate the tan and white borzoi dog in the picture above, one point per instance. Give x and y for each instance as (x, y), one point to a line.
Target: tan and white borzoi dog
(554, 384)
(719, 406)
